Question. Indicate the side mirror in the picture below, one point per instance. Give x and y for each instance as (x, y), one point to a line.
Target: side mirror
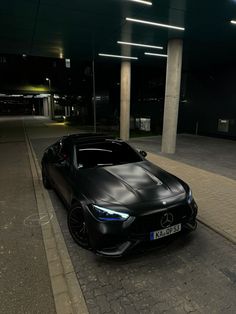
(143, 153)
(53, 158)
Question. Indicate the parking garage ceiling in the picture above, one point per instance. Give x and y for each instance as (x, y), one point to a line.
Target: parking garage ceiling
(81, 29)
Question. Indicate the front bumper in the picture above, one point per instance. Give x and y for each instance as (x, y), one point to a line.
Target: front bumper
(116, 238)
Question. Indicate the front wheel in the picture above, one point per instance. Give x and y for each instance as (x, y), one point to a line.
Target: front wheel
(77, 226)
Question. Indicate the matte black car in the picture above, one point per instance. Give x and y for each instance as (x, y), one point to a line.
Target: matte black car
(116, 199)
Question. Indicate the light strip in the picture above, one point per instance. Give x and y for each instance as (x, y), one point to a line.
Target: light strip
(138, 45)
(142, 1)
(112, 212)
(233, 22)
(117, 56)
(155, 54)
(155, 24)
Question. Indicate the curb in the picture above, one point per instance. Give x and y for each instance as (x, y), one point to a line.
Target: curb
(68, 296)
(217, 230)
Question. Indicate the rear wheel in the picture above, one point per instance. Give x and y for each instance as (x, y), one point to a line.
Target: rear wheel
(77, 226)
(46, 182)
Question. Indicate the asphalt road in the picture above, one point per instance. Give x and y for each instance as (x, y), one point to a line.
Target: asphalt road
(192, 274)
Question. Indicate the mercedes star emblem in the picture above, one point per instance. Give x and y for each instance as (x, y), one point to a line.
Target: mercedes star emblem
(167, 220)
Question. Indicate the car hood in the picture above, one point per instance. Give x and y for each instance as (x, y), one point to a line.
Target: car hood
(130, 185)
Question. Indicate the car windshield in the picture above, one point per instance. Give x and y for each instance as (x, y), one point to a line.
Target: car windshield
(107, 153)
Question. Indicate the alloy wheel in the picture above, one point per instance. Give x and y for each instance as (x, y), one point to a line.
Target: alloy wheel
(77, 226)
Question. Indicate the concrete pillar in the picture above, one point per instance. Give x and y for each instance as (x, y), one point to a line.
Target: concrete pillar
(66, 112)
(50, 101)
(45, 107)
(172, 95)
(125, 86)
(51, 106)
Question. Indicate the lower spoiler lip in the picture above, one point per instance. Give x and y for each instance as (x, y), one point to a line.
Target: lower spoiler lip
(191, 225)
(119, 251)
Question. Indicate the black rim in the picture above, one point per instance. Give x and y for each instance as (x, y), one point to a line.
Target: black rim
(78, 226)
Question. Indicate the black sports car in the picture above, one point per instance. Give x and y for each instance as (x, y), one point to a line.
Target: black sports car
(115, 197)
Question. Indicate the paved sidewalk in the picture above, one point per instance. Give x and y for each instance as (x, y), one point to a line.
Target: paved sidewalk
(25, 285)
(36, 273)
(211, 154)
(215, 194)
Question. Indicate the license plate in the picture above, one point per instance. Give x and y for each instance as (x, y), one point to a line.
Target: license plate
(165, 232)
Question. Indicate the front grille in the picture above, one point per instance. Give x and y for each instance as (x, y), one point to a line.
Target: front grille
(148, 223)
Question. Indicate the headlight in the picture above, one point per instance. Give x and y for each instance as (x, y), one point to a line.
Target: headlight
(106, 214)
(190, 196)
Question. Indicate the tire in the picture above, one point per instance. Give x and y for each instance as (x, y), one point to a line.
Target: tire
(46, 182)
(77, 226)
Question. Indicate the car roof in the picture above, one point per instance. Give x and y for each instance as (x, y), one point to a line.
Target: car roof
(88, 138)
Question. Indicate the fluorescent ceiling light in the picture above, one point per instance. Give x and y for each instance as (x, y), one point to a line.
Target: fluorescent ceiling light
(138, 45)
(155, 54)
(155, 24)
(42, 95)
(142, 1)
(6, 95)
(233, 22)
(116, 56)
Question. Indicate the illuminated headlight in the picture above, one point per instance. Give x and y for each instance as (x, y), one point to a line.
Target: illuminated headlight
(107, 214)
(190, 196)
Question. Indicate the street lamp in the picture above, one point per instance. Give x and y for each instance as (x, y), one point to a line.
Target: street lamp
(51, 97)
(49, 83)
